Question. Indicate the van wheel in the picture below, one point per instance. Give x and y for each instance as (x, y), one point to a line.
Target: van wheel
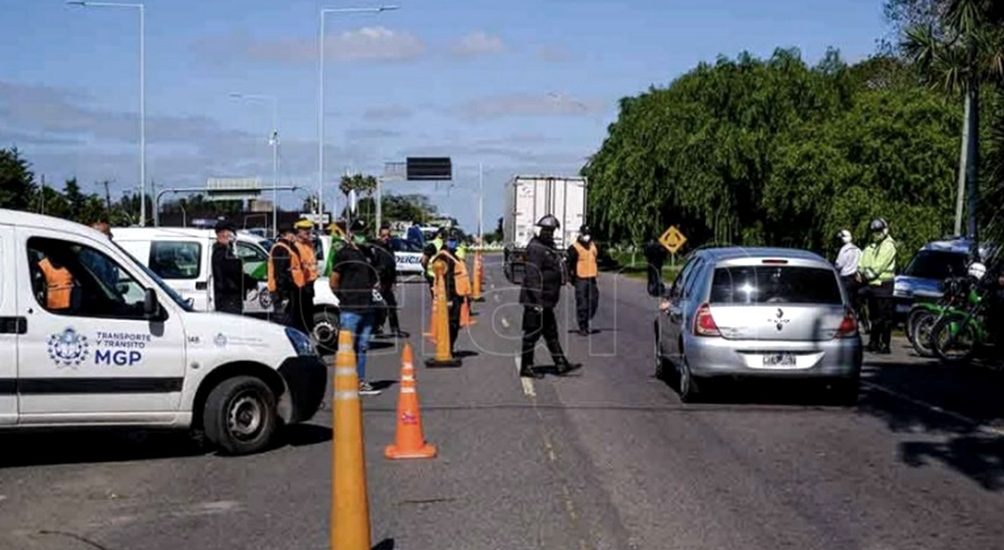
(240, 415)
(325, 333)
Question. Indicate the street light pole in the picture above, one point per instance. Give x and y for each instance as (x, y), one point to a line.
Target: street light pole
(273, 140)
(142, 93)
(481, 204)
(320, 93)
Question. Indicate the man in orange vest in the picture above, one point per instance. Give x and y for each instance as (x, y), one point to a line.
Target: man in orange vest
(286, 280)
(58, 284)
(583, 270)
(458, 282)
(308, 262)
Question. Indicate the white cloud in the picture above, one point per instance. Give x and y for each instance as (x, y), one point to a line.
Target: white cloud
(478, 43)
(371, 44)
(526, 105)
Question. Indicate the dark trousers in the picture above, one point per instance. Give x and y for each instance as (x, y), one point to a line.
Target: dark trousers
(881, 314)
(389, 311)
(587, 300)
(230, 304)
(453, 314)
(539, 322)
(299, 312)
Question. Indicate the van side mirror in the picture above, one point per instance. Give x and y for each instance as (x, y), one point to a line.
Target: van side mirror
(151, 307)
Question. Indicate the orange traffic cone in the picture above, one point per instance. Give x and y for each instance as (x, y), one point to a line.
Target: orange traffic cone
(479, 273)
(465, 315)
(350, 517)
(431, 332)
(444, 356)
(409, 442)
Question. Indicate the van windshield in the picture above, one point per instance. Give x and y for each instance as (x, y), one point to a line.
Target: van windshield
(182, 303)
(775, 285)
(937, 264)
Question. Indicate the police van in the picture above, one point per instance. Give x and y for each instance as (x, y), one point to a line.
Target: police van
(91, 337)
(182, 257)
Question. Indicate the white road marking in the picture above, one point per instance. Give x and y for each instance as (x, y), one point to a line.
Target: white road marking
(527, 383)
(496, 298)
(505, 322)
(983, 428)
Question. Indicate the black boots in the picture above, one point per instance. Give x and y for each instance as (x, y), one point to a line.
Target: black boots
(563, 367)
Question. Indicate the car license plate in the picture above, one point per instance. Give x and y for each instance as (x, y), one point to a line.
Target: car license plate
(779, 361)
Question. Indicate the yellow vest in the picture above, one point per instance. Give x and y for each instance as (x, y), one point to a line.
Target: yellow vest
(308, 261)
(295, 266)
(586, 267)
(461, 279)
(58, 285)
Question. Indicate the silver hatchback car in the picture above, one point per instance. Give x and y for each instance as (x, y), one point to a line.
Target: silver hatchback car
(758, 312)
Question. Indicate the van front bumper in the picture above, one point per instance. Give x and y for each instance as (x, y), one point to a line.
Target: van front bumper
(306, 381)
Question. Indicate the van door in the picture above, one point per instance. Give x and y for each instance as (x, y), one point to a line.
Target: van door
(184, 264)
(89, 354)
(11, 325)
(254, 260)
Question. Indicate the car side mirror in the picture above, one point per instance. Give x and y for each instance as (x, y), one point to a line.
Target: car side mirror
(151, 307)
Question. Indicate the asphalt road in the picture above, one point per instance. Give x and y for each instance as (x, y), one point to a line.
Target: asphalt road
(606, 459)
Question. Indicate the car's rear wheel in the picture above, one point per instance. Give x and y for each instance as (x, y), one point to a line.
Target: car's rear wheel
(687, 385)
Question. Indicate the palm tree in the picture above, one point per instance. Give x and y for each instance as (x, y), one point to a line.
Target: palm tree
(966, 53)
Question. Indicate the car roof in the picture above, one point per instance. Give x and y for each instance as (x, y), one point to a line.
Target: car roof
(133, 233)
(739, 252)
(29, 219)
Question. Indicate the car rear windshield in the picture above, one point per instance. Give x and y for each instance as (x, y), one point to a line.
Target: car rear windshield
(936, 264)
(775, 285)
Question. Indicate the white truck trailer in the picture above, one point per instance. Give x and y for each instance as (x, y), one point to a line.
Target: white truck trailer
(529, 198)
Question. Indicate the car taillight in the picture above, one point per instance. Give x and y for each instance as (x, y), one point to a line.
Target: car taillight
(704, 324)
(848, 327)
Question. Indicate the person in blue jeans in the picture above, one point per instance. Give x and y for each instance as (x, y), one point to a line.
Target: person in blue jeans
(354, 279)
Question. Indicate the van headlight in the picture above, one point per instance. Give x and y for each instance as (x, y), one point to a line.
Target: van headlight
(301, 342)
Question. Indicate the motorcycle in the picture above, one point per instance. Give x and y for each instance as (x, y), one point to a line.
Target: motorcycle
(924, 315)
(961, 332)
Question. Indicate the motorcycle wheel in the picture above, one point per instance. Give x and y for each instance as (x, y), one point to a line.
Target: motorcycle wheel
(923, 328)
(954, 339)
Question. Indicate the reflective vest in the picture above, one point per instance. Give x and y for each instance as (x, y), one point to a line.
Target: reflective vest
(461, 279)
(308, 261)
(586, 267)
(295, 268)
(58, 285)
(438, 244)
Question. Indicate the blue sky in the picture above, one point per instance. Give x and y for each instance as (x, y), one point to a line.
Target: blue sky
(520, 86)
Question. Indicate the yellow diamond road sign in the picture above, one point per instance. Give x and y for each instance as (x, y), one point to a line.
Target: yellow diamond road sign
(672, 239)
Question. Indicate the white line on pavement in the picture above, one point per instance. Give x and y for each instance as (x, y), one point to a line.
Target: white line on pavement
(527, 383)
(989, 430)
(505, 322)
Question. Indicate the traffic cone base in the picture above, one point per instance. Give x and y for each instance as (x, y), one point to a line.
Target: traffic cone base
(442, 363)
(426, 451)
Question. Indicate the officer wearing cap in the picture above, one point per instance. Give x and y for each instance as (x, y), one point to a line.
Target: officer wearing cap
(539, 295)
(308, 260)
(230, 283)
(583, 268)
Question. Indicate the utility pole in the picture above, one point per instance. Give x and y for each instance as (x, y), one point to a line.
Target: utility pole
(108, 199)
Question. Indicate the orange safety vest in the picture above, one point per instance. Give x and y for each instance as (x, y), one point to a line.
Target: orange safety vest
(586, 266)
(461, 279)
(308, 261)
(58, 285)
(295, 267)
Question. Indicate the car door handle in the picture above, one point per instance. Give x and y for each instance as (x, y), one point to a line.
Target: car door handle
(13, 325)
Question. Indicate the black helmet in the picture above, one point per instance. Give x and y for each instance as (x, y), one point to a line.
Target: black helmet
(225, 225)
(878, 224)
(548, 222)
(585, 230)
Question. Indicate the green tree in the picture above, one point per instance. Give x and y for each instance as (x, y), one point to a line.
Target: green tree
(966, 54)
(17, 187)
(362, 184)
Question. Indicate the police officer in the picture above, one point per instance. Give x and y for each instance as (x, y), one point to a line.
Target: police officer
(582, 267)
(230, 283)
(539, 295)
(457, 282)
(286, 281)
(431, 249)
(876, 272)
(386, 265)
(308, 262)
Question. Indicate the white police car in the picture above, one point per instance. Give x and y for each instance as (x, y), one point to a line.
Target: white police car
(89, 336)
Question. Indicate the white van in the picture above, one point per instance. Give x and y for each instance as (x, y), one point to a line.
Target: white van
(182, 257)
(113, 344)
